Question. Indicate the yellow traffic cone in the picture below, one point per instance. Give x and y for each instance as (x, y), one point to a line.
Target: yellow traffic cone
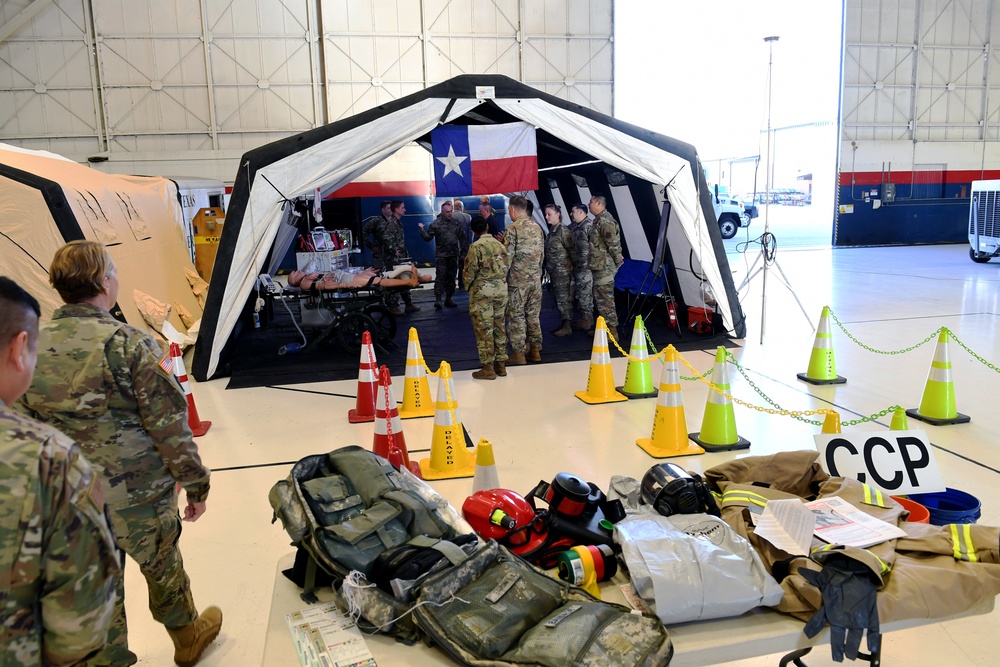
(831, 423)
(416, 390)
(638, 376)
(938, 403)
(486, 468)
(718, 427)
(899, 422)
(449, 457)
(822, 367)
(670, 435)
(600, 381)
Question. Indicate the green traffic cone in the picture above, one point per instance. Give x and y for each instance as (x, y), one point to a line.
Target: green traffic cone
(718, 427)
(638, 377)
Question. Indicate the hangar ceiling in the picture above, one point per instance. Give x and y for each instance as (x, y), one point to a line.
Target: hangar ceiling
(114, 77)
(921, 70)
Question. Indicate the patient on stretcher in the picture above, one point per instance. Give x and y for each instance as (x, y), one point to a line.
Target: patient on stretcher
(338, 279)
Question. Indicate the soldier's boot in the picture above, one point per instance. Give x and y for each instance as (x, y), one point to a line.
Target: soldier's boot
(500, 367)
(412, 307)
(487, 372)
(437, 303)
(565, 330)
(535, 355)
(449, 303)
(396, 310)
(585, 323)
(516, 359)
(191, 640)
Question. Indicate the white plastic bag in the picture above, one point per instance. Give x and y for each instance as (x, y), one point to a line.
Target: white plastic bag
(690, 567)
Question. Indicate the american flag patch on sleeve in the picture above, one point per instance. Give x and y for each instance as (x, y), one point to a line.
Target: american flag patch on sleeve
(166, 363)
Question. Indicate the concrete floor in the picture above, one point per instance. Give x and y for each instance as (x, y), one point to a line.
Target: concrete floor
(888, 299)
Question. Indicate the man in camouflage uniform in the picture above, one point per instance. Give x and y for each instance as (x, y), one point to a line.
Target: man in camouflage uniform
(449, 246)
(526, 248)
(371, 230)
(388, 248)
(560, 252)
(58, 556)
(465, 219)
(108, 386)
(605, 258)
(582, 277)
(485, 275)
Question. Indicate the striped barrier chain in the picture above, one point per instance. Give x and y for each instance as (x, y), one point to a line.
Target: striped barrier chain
(890, 352)
(965, 347)
(852, 422)
(451, 403)
(657, 356)
(649, 341)
(426, 368)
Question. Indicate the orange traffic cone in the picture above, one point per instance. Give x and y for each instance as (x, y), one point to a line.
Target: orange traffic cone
(670, 434)
(416, 390)
(486, 468)
(638, 375)
(197, 426)
(718, 427)
(831, 423)
(822, 367)
(937, 406)
(389, 442)
(364, 408)
(600, 381)
(449, 457)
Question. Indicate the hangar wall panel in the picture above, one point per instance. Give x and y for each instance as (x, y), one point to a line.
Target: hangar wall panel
(149, 84)
(920, 118)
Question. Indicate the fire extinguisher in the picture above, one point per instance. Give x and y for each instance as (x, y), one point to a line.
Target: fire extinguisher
(672, 314)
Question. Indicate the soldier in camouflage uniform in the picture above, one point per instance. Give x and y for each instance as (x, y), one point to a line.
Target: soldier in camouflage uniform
(605, 258)
(526, 248)
(485, 276)
(371, 230)
(582, 277)
(450, 245)
(109, 387)
(58, 556)
(560, 253)
(388, 249)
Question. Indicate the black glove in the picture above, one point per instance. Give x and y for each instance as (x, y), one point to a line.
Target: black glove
(849, 607)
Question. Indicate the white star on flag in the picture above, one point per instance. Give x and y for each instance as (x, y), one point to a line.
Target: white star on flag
(451, 162)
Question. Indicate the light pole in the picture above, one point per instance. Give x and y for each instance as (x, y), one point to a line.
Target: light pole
(769, 176)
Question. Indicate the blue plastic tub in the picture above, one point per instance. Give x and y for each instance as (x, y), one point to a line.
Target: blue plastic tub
(950, 506)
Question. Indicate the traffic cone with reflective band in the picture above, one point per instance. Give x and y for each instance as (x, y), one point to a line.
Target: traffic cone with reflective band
(449, 457)
(600, 381)
(197, 426)
(416, 390)
(638, 376)
(831, 423)
(364, 407)
(899, 422)
(486, 468)
(822, 367)
(389, 442)
(718, 427)
(938, 403)
(670, 435)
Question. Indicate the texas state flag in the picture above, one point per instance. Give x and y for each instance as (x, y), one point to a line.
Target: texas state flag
(484, 159)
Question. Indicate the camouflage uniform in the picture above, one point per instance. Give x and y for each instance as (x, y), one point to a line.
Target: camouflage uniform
(99, 381)
(371, 231)
(605, 258)
(560, 253)
(58, 557)
(581, 267)
(485, 275)
(388, 249)
(450, 244)
(526, 247)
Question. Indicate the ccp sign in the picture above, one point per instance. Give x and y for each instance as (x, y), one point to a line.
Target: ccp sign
(900, 462)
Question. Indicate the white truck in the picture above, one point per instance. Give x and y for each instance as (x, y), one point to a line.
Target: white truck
(730, 213)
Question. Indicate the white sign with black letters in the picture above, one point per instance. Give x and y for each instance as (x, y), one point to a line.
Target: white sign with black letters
(899, 462)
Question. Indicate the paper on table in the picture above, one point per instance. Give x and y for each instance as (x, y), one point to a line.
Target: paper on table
(787, 524)
(840, 522)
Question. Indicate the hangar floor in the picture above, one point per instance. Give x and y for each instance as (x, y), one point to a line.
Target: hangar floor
(888, 299)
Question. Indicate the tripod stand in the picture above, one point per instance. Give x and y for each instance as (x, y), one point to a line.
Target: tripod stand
(768, 243)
